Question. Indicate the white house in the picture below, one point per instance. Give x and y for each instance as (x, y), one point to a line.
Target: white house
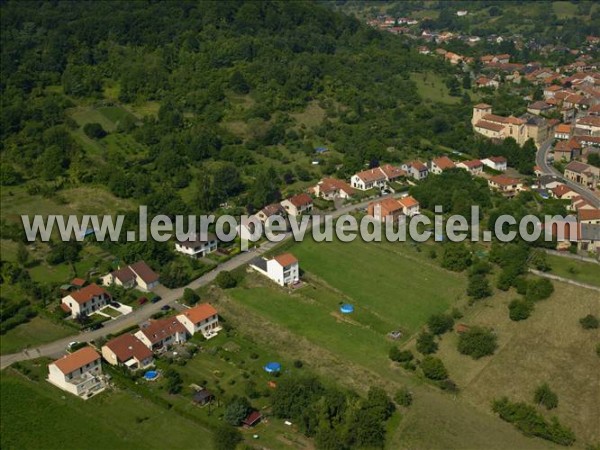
(79, 373)
(376, 177)
(138, 275)
(331, 188)
(197, 246)
(85, 301)
(474, 167)
(283, 269)
(410, 206)
(129, 351)
(438, 165)
(202, 318)
(162, 333)
(416, 169)
(298, 204)
(270, 210)
(496, 163)
(507, 185)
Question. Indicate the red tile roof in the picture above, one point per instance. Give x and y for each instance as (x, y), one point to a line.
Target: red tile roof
(127, 346)
(561, 190)
(87, 293)
(472, 164)
(392, 172)
(144, 272)
(588, 214)
(408, 202)
(482, 106)
(286, 259)
(79, 282)
(200, 312)
(300, 200)
(161, 329)
(489, 125)
(497, 159)
(503, 180)
(332, 184)
(76, 360)
(443, 162)
(371, 175)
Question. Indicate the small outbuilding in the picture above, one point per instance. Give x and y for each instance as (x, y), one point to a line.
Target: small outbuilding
(203, 397)
(253, 418)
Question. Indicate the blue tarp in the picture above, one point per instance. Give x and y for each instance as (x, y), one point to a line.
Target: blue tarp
(272, 367)
(320, 149)
(346, 308)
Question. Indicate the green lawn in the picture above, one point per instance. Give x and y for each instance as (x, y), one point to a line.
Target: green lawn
(35, 332)
(431, 86)
(37, 415)
(575, 270)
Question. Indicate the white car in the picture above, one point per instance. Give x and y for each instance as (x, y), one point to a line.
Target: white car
(72, 344)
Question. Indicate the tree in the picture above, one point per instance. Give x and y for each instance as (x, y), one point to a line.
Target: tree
(190, 297)
(379, 403)
(238, 83)
(226, 437)
(440, 323)
(594, 159)
(398, 355)
(225, 280)
(539, 289)
(174, 381)
(94, 130)
(426, 343)
(456, 257)
(589, 322)
(22, 254)
(403, 397)
(477, 342)
(236, 411)
(545, 396)
(433, 368)
(519, 309)
(479, 287)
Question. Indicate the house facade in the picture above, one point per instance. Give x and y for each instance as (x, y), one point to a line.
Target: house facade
(138, 275)
(85, 301)
(582, 173)
(331, 188)
(162, 333)
(416, 170)
(198, 246)
(392, 208)
(298, 204)
(127, 350)
(438, 165)
(507, 185)
(79, 373)
(474, 166)
(201, 318)
(283, 269)
(498, 163)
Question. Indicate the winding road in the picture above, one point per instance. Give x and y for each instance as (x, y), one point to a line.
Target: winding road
(541, 160)
(169, 297)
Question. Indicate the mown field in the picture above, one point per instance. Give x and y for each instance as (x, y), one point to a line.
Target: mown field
(37, 331)
(575, 270)
(36, 415)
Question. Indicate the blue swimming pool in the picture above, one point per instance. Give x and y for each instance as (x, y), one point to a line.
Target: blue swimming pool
(151, 375)
(346, 308)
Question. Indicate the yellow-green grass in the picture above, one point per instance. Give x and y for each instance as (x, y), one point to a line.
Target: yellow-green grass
(573, 269)
(37, 415)
(565, 9)
(431, 87)
(84, 115)
(37, 331)
(550, 346)
(149, 108)
(16, 201)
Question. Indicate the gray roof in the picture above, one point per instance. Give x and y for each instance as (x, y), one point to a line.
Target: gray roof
(590, 232)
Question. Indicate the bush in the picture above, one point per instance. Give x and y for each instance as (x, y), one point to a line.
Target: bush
(398, 355)
(298, 364)
(226, 437)
(225, 280)
(440, 323)
(589, 322)
(545, 396)
(479, 287)
(426, 343)
(403, 397)
(519, 309)
(190, 297)
(477, 342)
(236, 411)
(433, 368)
(94, 130)
(539, 289)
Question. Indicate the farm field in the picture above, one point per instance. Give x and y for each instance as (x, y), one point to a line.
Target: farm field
(550, 346)
(575, 270)
(36, 415)
(37, 331)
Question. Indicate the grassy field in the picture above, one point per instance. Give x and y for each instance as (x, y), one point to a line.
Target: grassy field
(37, 331)
(431, 87)
(36, 415)
(574, 269)
(550, 347)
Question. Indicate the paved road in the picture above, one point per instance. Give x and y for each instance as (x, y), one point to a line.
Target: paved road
(169, 297)
(548, 169)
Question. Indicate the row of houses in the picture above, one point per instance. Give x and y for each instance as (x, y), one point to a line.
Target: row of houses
(80, 373)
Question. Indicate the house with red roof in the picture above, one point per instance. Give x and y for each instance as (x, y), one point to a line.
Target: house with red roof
(298, 204)
(128, 351)
(160, 334)
(416, 170)
(198, 245)
(138, 275)
(438, 165)
(376, 177)
(79, 373)
(508, 186)
(498, 163)
(562, 131)
(283, 269)
(202, 318)
(582, 173)
(563, 192)
(332, 188)
(391, 208)
(85, 301)
(473, 166)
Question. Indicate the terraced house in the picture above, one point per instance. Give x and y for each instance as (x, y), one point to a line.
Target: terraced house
(85, 301)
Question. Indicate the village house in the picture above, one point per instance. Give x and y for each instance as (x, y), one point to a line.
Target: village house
(588, 126)
(138, 275)
(438, 165)
(498, 163)
(589, 216)
(540, 107)
(565, 151)
(331, 188)
(201, 318)
(582, 173)
(274, 209)
(485, 82)
(79, 373)
(159, 334)
(507, 185)
(562, 131)
(474, 166)
(392, 208)
(549, 91)
(376, 177)
(298, 204)
(563, 192)
(198, 245)
(578, 202)
(416, 170)
(127, 350)
(282, 269)
(85, 301)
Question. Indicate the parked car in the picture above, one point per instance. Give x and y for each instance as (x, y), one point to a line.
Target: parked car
(97, 326)
(165, 307)
(142, 300)
(156, 299)
(72, 344)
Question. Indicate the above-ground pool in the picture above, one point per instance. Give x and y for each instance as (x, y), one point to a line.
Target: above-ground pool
(151, 375)
(272, 367)
(346, 308)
